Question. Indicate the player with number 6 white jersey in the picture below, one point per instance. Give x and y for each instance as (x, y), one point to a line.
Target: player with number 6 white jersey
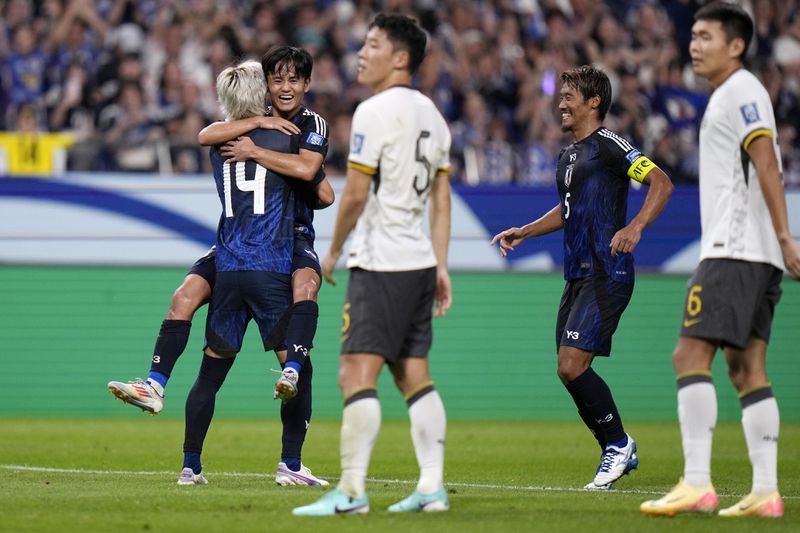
(734, 215)
(402, 141)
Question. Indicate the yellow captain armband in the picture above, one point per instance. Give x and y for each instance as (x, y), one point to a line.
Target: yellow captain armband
(753, 135)
(371, 171)
(443, 171)
(640, 168)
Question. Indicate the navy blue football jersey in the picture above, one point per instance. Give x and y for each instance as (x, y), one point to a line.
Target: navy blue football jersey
(593, 177)
(256, 229)
(313, 136)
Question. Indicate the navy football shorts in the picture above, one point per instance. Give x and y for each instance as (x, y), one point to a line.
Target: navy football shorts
(239, 296)
(589, 313)
(304, 254)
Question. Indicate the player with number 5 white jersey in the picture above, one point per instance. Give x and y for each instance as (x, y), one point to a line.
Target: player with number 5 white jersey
(398, 166)
(402, 141)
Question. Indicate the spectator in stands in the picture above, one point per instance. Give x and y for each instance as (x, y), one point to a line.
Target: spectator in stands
(130, 132)
(24, 72)
(505, 51)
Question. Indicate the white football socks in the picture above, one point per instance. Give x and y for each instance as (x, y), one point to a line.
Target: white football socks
(361, 422)
(761, 423)
(697, 414)
(428, 428)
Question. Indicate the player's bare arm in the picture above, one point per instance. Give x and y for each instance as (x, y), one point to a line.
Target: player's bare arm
(325, 195)
(513, 237)
(354, 198)
(303, 166)
(440, 239)
(762, 153)
(220, 132)
(659, 192)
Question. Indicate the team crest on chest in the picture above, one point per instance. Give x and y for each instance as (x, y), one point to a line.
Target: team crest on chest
(568, 175)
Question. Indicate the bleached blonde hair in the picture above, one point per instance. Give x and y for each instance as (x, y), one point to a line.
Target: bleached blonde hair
(242, 91)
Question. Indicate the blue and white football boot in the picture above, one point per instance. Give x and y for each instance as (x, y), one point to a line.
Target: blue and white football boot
(426, 503)
(333, 503)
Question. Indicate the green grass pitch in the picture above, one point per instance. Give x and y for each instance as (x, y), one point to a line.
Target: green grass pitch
(516, 476)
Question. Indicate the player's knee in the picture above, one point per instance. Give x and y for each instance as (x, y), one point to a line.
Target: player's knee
(346, 381)
(568, 370)
(305, 287)
(681, 360)
(183, 305)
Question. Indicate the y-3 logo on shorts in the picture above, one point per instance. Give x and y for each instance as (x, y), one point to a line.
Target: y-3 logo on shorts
(300, 348)
(573, 335)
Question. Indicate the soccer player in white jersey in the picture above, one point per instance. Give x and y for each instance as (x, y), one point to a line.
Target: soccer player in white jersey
(731, 298)
(399, 160)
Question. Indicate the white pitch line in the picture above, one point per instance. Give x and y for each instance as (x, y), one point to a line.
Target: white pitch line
(525, 488)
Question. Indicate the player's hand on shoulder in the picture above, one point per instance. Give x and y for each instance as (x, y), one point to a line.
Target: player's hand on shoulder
(278, 123)
(240, 149)
(791, 258)
(508, 240)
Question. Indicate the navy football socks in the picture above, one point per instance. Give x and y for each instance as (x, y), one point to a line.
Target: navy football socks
(595, 396)
(300, 333)
(201, 399)
(295, 416)
(170, 344)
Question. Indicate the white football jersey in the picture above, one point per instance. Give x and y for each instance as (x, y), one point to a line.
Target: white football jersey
(735, 220)
(400, 138)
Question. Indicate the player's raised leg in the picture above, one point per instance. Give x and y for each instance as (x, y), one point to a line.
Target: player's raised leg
(171, 342)
(302, 327)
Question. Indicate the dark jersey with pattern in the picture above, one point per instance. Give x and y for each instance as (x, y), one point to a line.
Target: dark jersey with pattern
(256, 229)
(593, 176)
(313, 136)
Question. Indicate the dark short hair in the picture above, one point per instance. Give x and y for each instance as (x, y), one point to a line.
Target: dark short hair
(590, 81)
(280, 58)
(736, 22)
(405, 34)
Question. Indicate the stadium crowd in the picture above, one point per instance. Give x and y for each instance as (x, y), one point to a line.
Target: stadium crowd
(133, 81)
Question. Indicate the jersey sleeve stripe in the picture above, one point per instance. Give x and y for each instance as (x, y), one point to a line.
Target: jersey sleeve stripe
(753, 135)
(622, 143)
(320, 124)
(362, 168)
(443, 170)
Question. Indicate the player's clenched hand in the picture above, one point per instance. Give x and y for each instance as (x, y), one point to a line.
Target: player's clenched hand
(238, 150)
(791, 258)
(328, 264)
(444, 292)
(278, 123)
(625, 240)
(508, 239)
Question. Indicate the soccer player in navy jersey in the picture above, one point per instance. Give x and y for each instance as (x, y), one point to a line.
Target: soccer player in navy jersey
(254, 248)
(593, 176)
(312, 191)
(288, 73)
